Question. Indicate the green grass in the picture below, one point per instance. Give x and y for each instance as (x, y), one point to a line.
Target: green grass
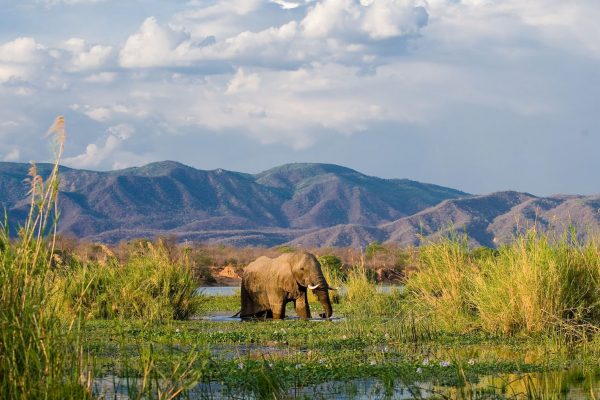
(40, 354)
(535, 285)
(150, 285)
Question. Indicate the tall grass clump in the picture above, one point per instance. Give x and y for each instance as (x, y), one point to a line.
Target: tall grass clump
(536, 284)
(40, 355)
(539, 284)
(360, 298)
(441, 289)
(152, 285)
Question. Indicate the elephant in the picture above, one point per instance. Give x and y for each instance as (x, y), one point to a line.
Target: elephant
(268, 284)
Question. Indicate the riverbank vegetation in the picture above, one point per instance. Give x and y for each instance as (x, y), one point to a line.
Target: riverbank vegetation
(88, 321)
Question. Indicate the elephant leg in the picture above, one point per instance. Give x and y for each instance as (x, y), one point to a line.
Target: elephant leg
(246, 309)
(278, 310)
(302, 307)
(277, 304)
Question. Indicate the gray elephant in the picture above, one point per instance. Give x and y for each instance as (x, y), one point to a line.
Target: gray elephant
(268, 284)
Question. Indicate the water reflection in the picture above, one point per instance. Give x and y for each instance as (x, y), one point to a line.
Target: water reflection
(235, 290)
(572, 384)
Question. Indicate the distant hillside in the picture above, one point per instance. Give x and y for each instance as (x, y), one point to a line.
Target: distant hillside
(489, 220)
(273, 207)
(310, 205)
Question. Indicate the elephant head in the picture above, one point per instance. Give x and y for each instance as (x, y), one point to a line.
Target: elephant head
(306, 270)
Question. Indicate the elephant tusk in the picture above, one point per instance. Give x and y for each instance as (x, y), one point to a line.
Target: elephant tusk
(332, 288)
(311, 287)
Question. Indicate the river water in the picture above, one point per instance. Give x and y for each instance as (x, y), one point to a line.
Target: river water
(235, 290)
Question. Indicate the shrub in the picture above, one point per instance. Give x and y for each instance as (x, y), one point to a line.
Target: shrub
(333, 270)
(150, 285)
(286, 249)
(373, 248)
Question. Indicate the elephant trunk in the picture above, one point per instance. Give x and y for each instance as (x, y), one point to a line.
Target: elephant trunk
(323, 296)
(322, 291)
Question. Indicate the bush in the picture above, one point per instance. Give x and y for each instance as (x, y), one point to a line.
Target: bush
(150, 285)
(373, 248)
(286, 249)
(333, 270)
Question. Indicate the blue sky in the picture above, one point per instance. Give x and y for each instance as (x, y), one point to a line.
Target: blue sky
(480, 95)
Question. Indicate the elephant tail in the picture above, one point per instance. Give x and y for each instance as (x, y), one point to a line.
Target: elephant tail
(237, 314)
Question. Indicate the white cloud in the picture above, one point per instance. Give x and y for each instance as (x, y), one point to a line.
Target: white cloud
(12, 72)
(95, 155)
(155, 46)
(101, 77)
(71, 2)
(84, 56)
(294, 72)
(18, 59)
(99, 114)
(287, 5)
(242, 82)
(330, 30)
(121, 131)
(349, 19)
(220, 19)
(389, 18)
(22, 50)
(105, 113)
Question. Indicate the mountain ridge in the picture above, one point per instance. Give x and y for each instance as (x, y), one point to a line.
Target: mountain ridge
(304, 204)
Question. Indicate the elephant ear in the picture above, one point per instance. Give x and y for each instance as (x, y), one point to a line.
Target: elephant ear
(285, 277)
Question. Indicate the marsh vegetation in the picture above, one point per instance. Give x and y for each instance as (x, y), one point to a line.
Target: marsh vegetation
(517, 322)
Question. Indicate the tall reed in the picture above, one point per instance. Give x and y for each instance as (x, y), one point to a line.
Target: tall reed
(441, 290)
(40, 356)
(536, 284)
(151, 285)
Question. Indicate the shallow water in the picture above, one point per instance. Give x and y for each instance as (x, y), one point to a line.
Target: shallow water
(226, 318)
(235, 290)
(571, 384)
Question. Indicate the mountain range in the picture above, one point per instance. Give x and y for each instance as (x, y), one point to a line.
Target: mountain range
(311, 205)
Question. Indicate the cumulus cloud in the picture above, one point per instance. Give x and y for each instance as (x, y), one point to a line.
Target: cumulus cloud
(221, 19)
(84, 56)
(17, 59)
(21, 50)
(95, 155)
(381, 19)
(242, 82)
(330, 29)
(385, 19)
(155, 46)
(101, 77)
(299, 73)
